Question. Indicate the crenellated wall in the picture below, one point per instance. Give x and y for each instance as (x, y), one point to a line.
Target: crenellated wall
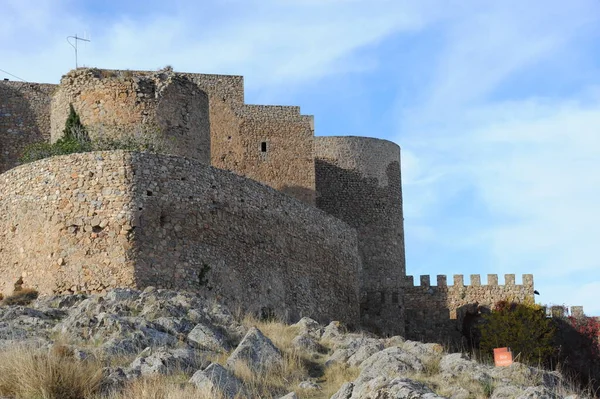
(435, 312)
(24, 118)
(92, 221)
(88, 222)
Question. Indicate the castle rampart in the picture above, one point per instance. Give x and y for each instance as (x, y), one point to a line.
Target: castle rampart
(435, 312)
(358, 181)
(93, 221)
(24, 118)
(89, 222)
(164, 108)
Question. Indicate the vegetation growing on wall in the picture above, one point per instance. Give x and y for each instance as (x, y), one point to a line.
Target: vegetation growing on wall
(76, 139)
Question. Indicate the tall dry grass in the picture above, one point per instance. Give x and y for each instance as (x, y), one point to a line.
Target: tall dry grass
(162, 387)
(37, 373)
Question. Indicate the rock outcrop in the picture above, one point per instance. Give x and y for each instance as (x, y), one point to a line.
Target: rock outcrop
(168, 333)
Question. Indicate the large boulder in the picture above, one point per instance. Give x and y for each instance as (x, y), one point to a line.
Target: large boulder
(216, 379)
(257, 351)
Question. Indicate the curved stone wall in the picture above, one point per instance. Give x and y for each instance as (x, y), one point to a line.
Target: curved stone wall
(358, 181)
(24, 118)
(88, 222)
(165, 108)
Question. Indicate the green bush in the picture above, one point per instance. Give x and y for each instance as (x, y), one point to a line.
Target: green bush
(522, 327)
(76, 139)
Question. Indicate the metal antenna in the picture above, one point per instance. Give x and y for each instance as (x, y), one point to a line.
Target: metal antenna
(74, 45)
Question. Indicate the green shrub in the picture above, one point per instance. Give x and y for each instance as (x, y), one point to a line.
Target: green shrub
(520, 326)
(76, 139)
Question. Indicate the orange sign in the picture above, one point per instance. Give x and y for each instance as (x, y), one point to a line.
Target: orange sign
(502, 357)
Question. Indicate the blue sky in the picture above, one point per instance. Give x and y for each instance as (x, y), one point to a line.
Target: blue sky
(496, 106)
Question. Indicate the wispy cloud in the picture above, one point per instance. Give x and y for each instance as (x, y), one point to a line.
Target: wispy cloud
(521, 163)
(497, 111)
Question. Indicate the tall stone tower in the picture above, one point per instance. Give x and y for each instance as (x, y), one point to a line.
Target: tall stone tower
(165, 108)
(358, 181)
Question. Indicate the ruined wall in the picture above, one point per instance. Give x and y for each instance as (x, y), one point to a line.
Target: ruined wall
(269, 144)
(277, 149)
(165, 108)
(437, 312)
(358, 181)
(87, 222)
(24, 118)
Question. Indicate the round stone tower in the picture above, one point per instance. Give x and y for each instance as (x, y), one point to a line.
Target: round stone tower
(162, 109)
(358, 181)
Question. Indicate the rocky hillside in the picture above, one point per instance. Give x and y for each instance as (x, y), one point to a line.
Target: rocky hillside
(172, 345)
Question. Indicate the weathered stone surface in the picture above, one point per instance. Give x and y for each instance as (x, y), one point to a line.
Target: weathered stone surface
(166, 361)
(438, 313)
(396, 388)
(310, 327)
(24, 118)
(345, 392)
(203, 336)
(132, 220)
(393, 360)
(309, 386)
(215, 378)
(162, 106)
(358, 180)
(257, 351)
(355, 347)
(307, 343)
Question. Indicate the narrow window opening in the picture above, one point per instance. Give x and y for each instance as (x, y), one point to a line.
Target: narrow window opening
(382, 296)
(149, 193)
(263, 146)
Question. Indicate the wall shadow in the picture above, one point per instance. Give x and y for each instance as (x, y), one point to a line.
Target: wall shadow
(24, 119)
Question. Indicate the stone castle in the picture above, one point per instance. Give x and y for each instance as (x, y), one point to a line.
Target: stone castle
(246, 205)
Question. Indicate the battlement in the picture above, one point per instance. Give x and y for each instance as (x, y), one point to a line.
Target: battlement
(475, 279)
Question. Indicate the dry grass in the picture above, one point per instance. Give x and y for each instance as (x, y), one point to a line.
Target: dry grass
(37, 373)
(162, 387)
(280, 333)
(276, 380)
(331, 381)
(22, 297)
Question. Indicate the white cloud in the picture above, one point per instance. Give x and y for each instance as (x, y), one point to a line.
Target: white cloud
(268, 42)
(528, 163)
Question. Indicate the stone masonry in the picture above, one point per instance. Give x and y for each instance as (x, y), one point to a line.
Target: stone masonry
(358, 181)
(437, 312)
(24, 118)
(93, 221)
(167, 109)
(281, 223)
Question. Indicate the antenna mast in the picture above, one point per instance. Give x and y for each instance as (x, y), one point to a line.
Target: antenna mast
(74, 45)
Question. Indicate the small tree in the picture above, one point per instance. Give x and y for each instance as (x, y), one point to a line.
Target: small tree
(522, 327)
(75, 138)
(75, 135)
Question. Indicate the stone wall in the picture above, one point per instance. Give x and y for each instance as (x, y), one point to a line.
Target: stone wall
(269, 144)
(165, 108)
(277, 149)
(358, 181)
(438, 312)
(88, 222)
(24, 118)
